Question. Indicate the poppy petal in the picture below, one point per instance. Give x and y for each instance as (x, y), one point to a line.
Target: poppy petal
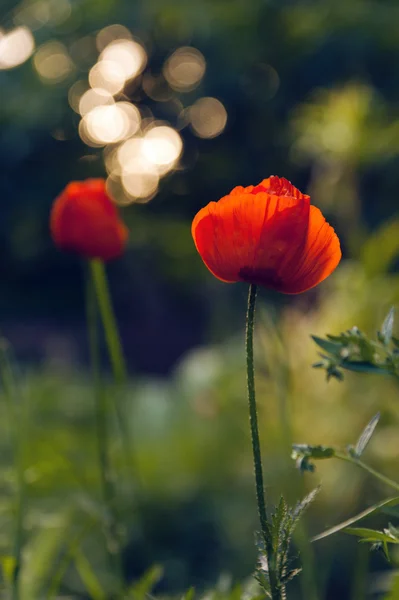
(320, 256)
(84, 220)
(268, 235)
(282, 238)
(240, 237)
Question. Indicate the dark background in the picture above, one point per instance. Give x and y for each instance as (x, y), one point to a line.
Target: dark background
(310, 91)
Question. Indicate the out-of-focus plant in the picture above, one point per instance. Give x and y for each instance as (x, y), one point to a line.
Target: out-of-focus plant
(84, 220)
(354, 351)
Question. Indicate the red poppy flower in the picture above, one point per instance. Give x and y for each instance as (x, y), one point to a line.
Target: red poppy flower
(85, 220)
(268, 235)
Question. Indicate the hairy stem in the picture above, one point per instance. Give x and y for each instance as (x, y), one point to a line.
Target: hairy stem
(276, 591)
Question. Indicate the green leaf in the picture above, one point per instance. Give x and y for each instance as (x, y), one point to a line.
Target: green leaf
(317, 452)
(363, 367)
(387, 326)
(366, 436)
(305, 503)
(88, 576)
(372, 535)
(189, 595)
(142, 588)
(328, 346)
(365, 513)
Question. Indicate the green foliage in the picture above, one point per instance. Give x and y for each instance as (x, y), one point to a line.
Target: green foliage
(378, 539)
(365, 437)
(376, 508)
(281, 529)
(354, 351)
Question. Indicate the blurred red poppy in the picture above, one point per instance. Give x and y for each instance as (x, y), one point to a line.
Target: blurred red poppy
(268, 235)
(85, 220)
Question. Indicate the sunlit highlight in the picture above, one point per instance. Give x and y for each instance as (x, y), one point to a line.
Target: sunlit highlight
(184, 69)
(139, 177)
(110, 34)
(75, 94)
(127, 55)
(107, 75)
(93, 98)
(16, 47)
(141, 182)
(208, 117)
(134, 116)
(52, 62)
(162, 146)
(105, 125)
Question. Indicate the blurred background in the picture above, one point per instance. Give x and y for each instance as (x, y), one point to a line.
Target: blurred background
(176, 103)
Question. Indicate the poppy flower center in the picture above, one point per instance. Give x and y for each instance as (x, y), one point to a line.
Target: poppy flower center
(267, 277)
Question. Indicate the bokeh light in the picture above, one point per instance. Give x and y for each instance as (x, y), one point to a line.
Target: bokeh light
(184, 69)
(162, 146)
(208, 117)
(156, 87)
(76, 92)
(92, 98)
(141, 183)
(107, 75)
(106, 124)
(110, 34)
(16, 47)
(52, 62)
(37, 13)
(139, 176)
(127, 55)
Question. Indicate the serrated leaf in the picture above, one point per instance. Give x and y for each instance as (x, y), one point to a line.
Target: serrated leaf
(365, 513)
(387, 326)
(291, 575)
(279, 519)
(305, 503)
(327, 345)
(366, 436)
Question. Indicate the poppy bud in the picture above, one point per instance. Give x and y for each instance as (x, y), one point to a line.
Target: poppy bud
(84, 220)
(268, 235)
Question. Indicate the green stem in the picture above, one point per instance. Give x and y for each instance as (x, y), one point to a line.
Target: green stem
(114, 346)
(18, 426)
(107, 486)
(109, 321)
(276, 591)
(362, 465)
